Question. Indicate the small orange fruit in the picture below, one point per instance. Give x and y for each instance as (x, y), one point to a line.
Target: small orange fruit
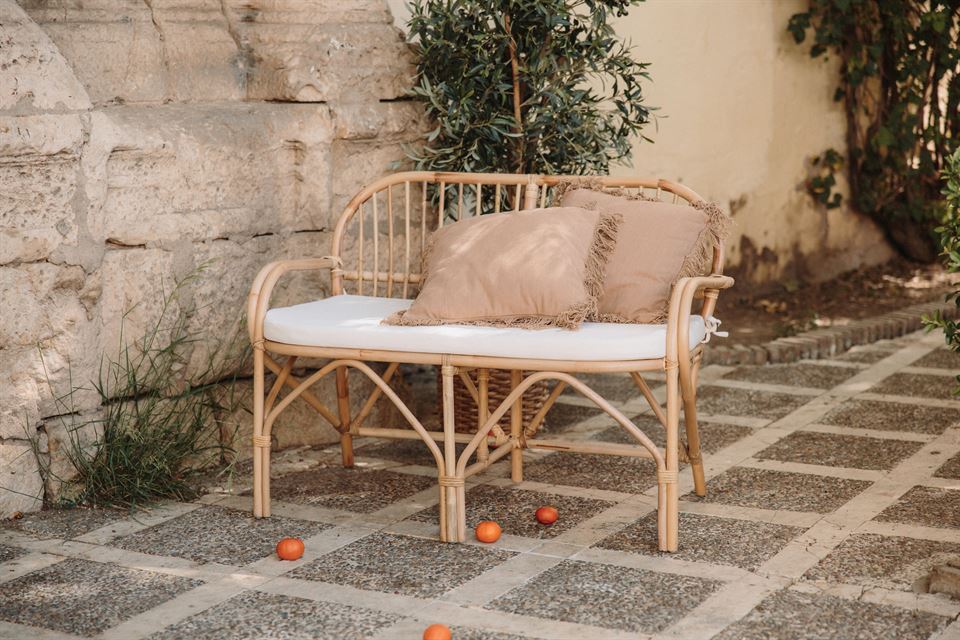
(547, 515)
(488, 531)
(437, 632)
(290, 549)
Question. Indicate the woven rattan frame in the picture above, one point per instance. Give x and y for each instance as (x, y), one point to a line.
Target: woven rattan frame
(382, 264)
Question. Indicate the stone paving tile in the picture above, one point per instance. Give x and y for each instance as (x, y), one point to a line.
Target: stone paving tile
(713, 437)
(892, 416)
(64, 523)
(356, 489)
(8, 553)
(891, 562)
(254, 615)
(949, 469)
(801, 374)
(917, 385)
(833, 450)
(514, 509)
(215, 534)
(746, 402)
(405, 451)
(84, 597)
(612, 473)
(939, 359)
(607, 596)
(402, 564)
(561, 416)
(618, 387)
(739, 543)
(790, 615)
(765, 489)
(925, 506)
(864, 355)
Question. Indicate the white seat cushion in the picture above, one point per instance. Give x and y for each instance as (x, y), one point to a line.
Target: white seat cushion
(353, 322)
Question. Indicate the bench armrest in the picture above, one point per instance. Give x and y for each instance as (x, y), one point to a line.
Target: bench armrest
(681, 301)
(263, 284)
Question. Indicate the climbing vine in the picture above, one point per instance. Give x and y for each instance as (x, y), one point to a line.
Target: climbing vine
(900, 87)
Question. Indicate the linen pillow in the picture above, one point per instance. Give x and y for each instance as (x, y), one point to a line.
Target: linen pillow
(531, 269)
(658, 243)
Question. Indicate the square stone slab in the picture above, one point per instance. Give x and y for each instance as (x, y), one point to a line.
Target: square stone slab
(865, 355)
(739, 543)
(746, 402)
(562, 416)
(833, 450)
(940, 359)
(950, 468)
(402, 564)
(765, 489)
(925, 506)
(892, 416)
(215, 534)
(8, 553)
(64, 523)
(86, 598)
(593, 471)
(607, 596)
(801, 374)
(405, 451)
(891, 562)
(359, 490)
(514, 509)
(917, 385)
(791, 615)
(255, 616)
(713, 436)
(616, 387)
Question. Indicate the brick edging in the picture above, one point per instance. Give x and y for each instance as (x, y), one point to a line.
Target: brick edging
(829, 341)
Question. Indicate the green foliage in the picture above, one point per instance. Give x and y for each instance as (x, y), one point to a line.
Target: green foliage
(156, 424)
(578, 90)
(900, 87)
(950, 250)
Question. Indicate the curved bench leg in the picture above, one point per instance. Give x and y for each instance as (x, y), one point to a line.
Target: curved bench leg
(343, 406)
(516, 429)
(261, 503)
(689, 393)
(453, 526)
(668, 494)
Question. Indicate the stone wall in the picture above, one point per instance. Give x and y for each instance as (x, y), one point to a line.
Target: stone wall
(142, 138)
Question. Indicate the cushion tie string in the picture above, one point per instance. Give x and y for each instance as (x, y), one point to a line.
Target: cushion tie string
(713, 328)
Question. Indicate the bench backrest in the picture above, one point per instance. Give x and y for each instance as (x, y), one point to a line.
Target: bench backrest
(383, 230)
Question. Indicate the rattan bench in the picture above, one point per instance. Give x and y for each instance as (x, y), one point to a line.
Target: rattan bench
(376, 245)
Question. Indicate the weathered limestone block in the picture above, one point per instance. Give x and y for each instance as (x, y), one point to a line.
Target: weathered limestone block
(33, 73)
(163, 174)
(201, 58)
(39, 162)
(19, 404)
(113, 46)
(40, 301)
(319, 51)
(21, 487)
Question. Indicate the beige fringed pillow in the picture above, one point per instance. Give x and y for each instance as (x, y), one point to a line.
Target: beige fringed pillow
(532, 269)
(657, 244)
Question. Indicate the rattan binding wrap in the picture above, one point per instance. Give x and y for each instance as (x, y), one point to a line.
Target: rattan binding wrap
(465, 409)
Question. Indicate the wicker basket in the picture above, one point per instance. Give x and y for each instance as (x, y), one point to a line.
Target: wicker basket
(465, 409)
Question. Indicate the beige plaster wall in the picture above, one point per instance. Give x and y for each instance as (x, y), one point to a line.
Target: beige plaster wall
(742, 109)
